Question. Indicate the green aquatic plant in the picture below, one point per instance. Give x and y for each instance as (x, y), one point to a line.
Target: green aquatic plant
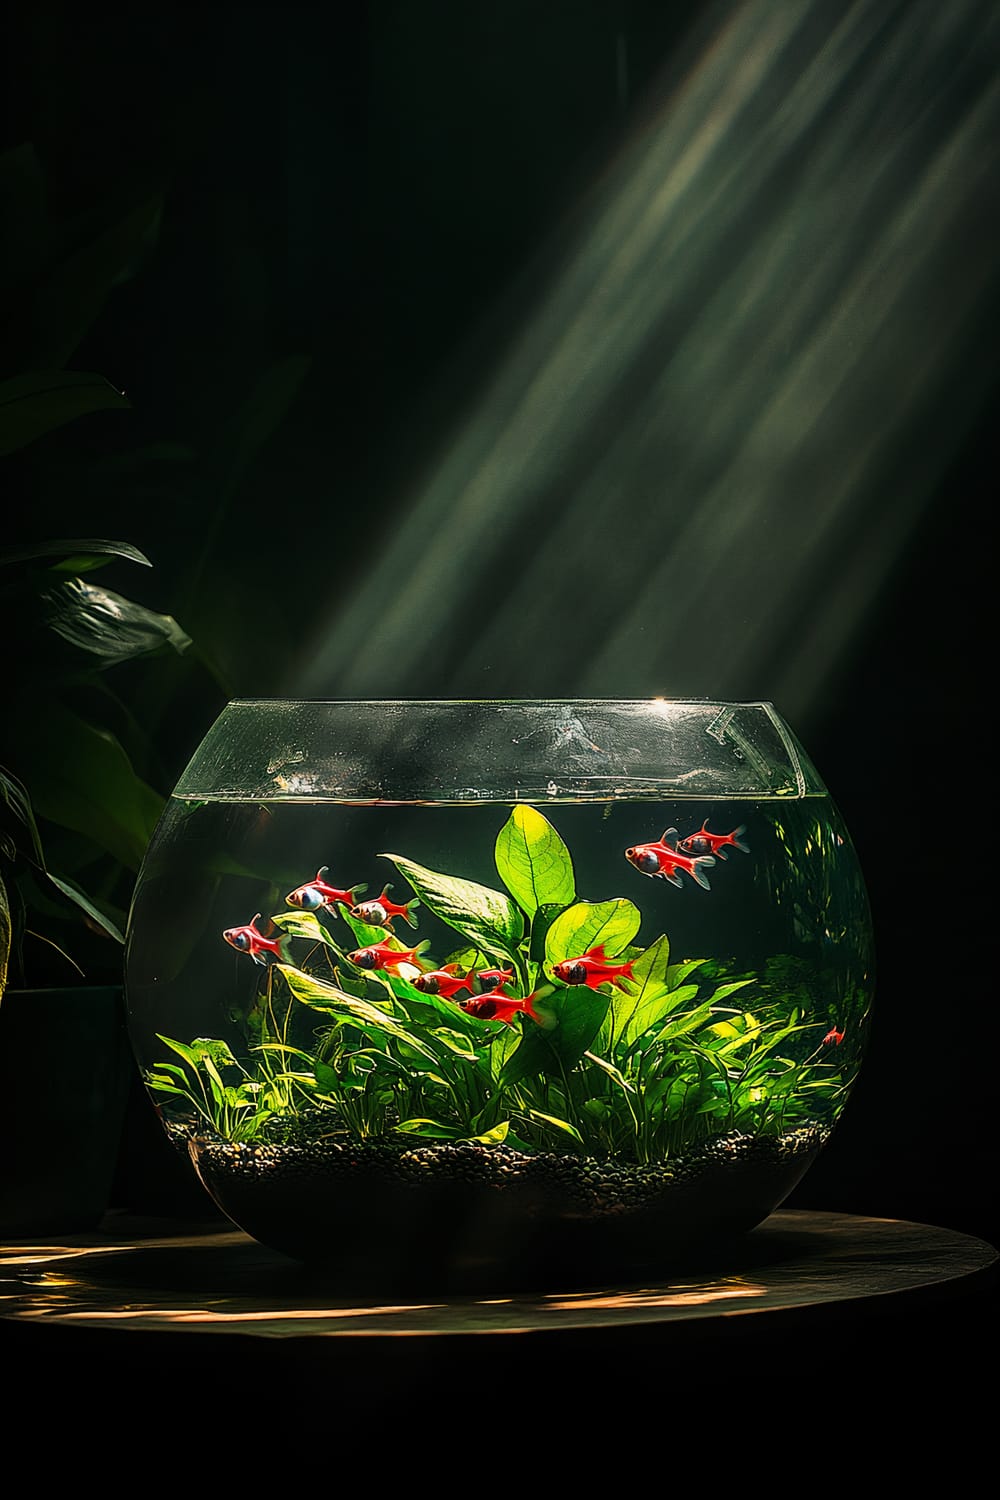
(554, 1028)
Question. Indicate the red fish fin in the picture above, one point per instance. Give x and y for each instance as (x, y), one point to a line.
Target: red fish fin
(699, 867)
(407, 913)
(667, 834)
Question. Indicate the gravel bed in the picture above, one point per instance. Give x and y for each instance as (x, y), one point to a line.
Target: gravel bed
(457, 1216)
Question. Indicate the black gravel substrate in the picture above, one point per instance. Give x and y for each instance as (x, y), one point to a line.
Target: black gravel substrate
(453, 1217)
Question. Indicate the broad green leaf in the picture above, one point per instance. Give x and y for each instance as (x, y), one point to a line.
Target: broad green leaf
(533, 862)
(587, 925)
(578, 1012)
(488, 918)
(34, 404)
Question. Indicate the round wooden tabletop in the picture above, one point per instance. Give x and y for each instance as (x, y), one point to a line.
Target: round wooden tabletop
(137, 1279)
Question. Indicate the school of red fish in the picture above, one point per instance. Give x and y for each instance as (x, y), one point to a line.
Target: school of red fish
(667, 858)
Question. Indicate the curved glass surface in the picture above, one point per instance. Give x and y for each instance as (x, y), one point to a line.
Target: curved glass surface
(496, 988)
(471, 751)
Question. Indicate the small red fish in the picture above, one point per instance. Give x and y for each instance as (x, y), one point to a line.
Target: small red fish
(495, 1006)
(318, 893)
(383, 956)
(833, 1036)
(664, 861)
(380, 911)
(252, 942)
(704, 842)
(592, 968)
(490, 979)
(445, 982)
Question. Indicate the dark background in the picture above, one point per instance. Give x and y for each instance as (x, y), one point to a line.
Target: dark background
(347, 197)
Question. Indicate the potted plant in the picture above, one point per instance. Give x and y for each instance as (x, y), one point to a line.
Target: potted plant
(78, 802)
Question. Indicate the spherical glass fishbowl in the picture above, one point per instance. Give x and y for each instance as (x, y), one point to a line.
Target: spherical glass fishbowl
(471, 993)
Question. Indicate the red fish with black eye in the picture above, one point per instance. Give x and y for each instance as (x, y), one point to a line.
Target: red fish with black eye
(317, 893)
(592, 968)
(664, 861)
(383, 956)
(380, 911)
(496, 1006)
(254, 943)
(704, 842)
(490, 979)
(446, 982)
(833, 1037)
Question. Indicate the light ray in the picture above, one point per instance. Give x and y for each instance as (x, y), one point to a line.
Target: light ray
(697, 464)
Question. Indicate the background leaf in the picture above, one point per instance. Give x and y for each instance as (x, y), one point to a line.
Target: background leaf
(36, 403)
(82, 779)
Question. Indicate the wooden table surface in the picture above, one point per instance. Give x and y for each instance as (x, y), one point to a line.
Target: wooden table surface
(176, 1280)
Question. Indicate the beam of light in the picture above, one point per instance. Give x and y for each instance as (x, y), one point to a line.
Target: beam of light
(730, 400)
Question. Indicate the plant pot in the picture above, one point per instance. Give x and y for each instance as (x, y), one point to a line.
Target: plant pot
(541, 991)
(65, 1068)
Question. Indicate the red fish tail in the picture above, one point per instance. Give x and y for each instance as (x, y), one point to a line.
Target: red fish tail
(540, 1016)
(413, 955)
(699, 868)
